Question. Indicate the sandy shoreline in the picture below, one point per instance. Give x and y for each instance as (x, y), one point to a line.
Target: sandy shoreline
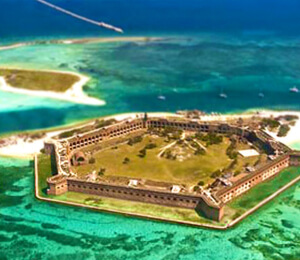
(20, 148)
(74, 94)
(80, 41)
(291, 138)
(293, 135)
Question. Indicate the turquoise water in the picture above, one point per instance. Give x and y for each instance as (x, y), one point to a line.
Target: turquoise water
(189, 71)
(239, 47)
(31, 229)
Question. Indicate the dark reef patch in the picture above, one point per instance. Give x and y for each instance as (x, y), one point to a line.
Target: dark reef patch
(287, 223)
(50, 226)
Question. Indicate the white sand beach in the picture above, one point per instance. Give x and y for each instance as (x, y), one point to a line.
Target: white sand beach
(12, 46)
(74, 94)
(80, 41)
(293, 135)
(19, 147)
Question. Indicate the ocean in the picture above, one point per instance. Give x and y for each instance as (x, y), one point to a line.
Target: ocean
(242, 48)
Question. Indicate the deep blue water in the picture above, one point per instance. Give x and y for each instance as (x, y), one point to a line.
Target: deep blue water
(242, 47)
(27, 18)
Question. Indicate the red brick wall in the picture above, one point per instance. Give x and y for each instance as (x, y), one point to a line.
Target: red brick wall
(237, 190)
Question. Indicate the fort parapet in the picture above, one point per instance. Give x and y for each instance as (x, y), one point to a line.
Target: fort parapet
(209, 203)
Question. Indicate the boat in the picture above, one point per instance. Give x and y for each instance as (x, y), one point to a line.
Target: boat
(223, 95)
(161, 97)
(294, 89)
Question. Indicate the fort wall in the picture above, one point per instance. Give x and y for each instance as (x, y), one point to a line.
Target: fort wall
(122, 129)
(295, 159)
(211, 207)
(149, 196)
(209, 211)
(104, 134)
(57, 185)
(254, 178)
(49, 148)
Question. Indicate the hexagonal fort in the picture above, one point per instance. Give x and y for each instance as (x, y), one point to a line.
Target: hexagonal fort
(177, 161)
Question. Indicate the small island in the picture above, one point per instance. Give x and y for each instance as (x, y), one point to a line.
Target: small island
(187, 167)
(59, 85)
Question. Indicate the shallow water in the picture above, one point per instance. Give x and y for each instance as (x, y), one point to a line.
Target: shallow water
(31, 229)
(190, 72)
(239, 47)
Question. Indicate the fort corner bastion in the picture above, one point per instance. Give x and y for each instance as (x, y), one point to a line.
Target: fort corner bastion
(209, 202)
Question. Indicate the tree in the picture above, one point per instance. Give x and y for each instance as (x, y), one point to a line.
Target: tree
(199, 151)
(201, 183)
(216, 174)
(169, 155)
(270, 122)
(236, 173)
(283, 130)
(142, 153)
(101, 171)
(196, 188)
(134, 140)
(126, 160)
(92, 160)
(150, 146)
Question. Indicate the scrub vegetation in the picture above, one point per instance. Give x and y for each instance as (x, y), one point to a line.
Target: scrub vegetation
(39, 80)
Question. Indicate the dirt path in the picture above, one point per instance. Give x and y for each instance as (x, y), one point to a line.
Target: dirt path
(201, 145)
(182, 137)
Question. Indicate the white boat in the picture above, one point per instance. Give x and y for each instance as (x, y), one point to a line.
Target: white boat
(223, 95)
(161, 97)
(294, 89)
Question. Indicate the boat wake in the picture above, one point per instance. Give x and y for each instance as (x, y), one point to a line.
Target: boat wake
(102, 24)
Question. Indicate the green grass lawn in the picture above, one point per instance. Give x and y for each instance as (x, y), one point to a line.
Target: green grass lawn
(261, 191)
(189, 171)
(242, 161)
(38, 80)
(45, 171)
